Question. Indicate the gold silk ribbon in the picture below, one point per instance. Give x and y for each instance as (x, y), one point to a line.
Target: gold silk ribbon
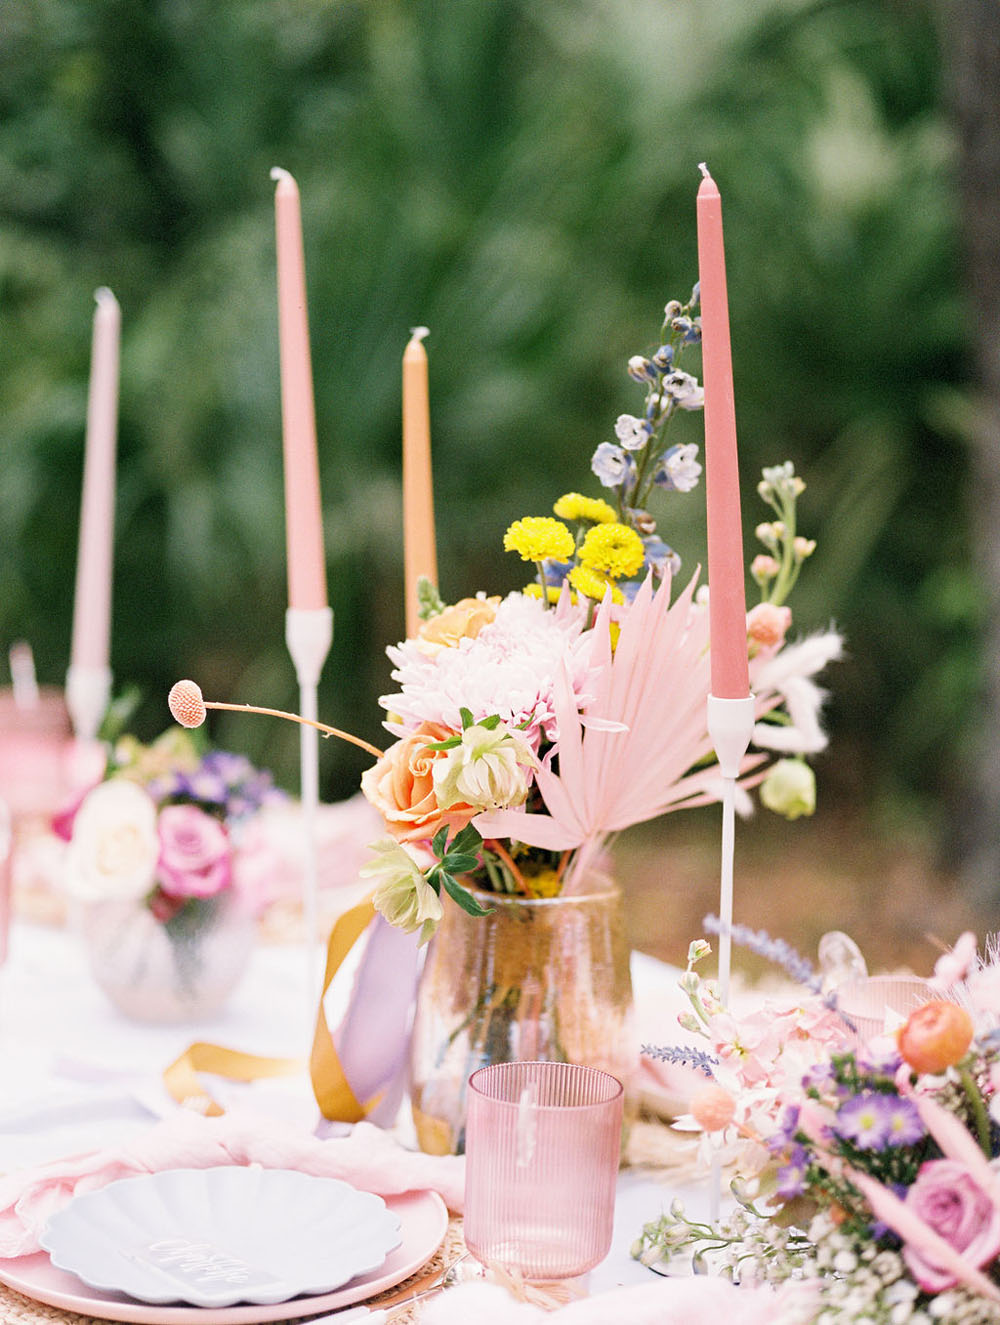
(336, 1099)
(333, 1091)
(184, 1084)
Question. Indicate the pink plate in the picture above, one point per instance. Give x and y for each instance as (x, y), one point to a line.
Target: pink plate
(424, 1220)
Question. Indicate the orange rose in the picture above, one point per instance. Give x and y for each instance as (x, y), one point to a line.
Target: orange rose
(401, 787)
(935, 1036)
(463, 621)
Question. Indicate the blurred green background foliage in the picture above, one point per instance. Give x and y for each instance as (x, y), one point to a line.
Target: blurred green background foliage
(520, 176)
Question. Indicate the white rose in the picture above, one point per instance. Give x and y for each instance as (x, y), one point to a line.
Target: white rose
(115, 845)
(488, 770)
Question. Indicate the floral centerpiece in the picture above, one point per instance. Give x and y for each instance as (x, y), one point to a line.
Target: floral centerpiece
(867, 1168)
(529, 730)
(158, 842)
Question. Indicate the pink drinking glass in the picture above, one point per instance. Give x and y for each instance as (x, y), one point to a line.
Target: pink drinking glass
(542, 1145)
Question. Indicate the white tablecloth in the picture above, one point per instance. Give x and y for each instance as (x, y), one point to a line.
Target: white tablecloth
(76, 1075)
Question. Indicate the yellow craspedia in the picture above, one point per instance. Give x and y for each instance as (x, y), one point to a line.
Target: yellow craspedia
(539, 537)
(592, 585)
(613, 549)
(574, 506)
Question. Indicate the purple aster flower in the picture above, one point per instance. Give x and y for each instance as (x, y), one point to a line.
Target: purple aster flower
(880, 1057)
(818, 1076)
(905, 1127)
(864, 1119)
(787, 1128)
(792, 1176)
(204, 785)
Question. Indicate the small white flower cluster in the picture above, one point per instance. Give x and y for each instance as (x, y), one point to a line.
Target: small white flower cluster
(852, 1284)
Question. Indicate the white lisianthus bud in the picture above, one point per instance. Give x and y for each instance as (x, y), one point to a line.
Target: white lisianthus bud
(698, 949)
(689, 983)
(487, 770)
(403, 895)
(790, 788)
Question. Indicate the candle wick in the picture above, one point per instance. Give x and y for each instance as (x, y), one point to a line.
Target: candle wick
(278, 173)
(418, 333)
(704, 170)
(102, 295)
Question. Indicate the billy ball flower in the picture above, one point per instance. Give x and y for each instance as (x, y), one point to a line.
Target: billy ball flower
(935, 1037)
(539, 538)
(615, 549)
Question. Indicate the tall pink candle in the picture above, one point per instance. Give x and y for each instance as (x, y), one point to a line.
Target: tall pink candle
(419, 547)
(303, 510)
(726, 589)
(91, 644)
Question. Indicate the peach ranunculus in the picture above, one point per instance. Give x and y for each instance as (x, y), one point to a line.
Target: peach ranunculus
(767, 624)
(401, 787)
(935, 1036)
(462, 621)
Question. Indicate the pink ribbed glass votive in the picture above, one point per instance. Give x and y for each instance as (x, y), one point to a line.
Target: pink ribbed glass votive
(542, 1148)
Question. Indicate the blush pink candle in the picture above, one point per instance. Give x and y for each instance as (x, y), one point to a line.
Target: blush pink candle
(419, 548)
(726, 589)
(303, 510)
(91, 644)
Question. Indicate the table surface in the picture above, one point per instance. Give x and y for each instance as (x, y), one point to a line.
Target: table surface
(77, 1075)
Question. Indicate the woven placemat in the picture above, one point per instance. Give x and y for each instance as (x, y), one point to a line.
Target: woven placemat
(18, 1310)
(652, 1146)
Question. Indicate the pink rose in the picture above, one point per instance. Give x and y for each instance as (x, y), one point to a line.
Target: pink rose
(194, 857)
(767, 625)
(945, 1197)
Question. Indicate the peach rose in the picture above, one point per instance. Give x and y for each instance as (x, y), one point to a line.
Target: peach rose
(401, 787)
(463, 621)
(767, 624)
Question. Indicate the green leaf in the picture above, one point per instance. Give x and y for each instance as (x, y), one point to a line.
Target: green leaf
(468, 839)
(429, 600)
(458, 863)
(491, 722)
(439, 842)
(467, 718)
(449, 744)
(463, 897)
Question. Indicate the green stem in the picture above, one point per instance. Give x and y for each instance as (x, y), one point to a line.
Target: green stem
(979, 1115)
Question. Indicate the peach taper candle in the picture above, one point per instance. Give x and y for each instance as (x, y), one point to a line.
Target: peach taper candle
(419, 547)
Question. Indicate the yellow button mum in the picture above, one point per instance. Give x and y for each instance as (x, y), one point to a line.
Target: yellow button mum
(574, 506)
(614, 549)
(539, 537)
(592, 585)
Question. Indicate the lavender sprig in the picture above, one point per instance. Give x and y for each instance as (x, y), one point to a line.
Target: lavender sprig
(773, 950)
(684, 1054)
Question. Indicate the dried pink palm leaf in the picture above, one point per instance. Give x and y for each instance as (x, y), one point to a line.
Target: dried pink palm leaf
(649, 730)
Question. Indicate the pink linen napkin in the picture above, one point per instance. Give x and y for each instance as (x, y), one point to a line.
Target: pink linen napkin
(368, 1158)
(696, 1301)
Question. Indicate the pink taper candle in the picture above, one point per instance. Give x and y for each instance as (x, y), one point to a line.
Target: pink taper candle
(91, 644)
(726, 589)
(419, 548)
(303, 510)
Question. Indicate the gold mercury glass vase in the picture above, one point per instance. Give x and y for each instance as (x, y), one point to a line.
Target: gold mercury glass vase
(537, 979)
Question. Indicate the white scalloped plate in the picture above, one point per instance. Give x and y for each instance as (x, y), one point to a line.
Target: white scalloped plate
(221, 1236)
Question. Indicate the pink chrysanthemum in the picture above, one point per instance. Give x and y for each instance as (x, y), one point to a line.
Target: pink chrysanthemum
(511, 668)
